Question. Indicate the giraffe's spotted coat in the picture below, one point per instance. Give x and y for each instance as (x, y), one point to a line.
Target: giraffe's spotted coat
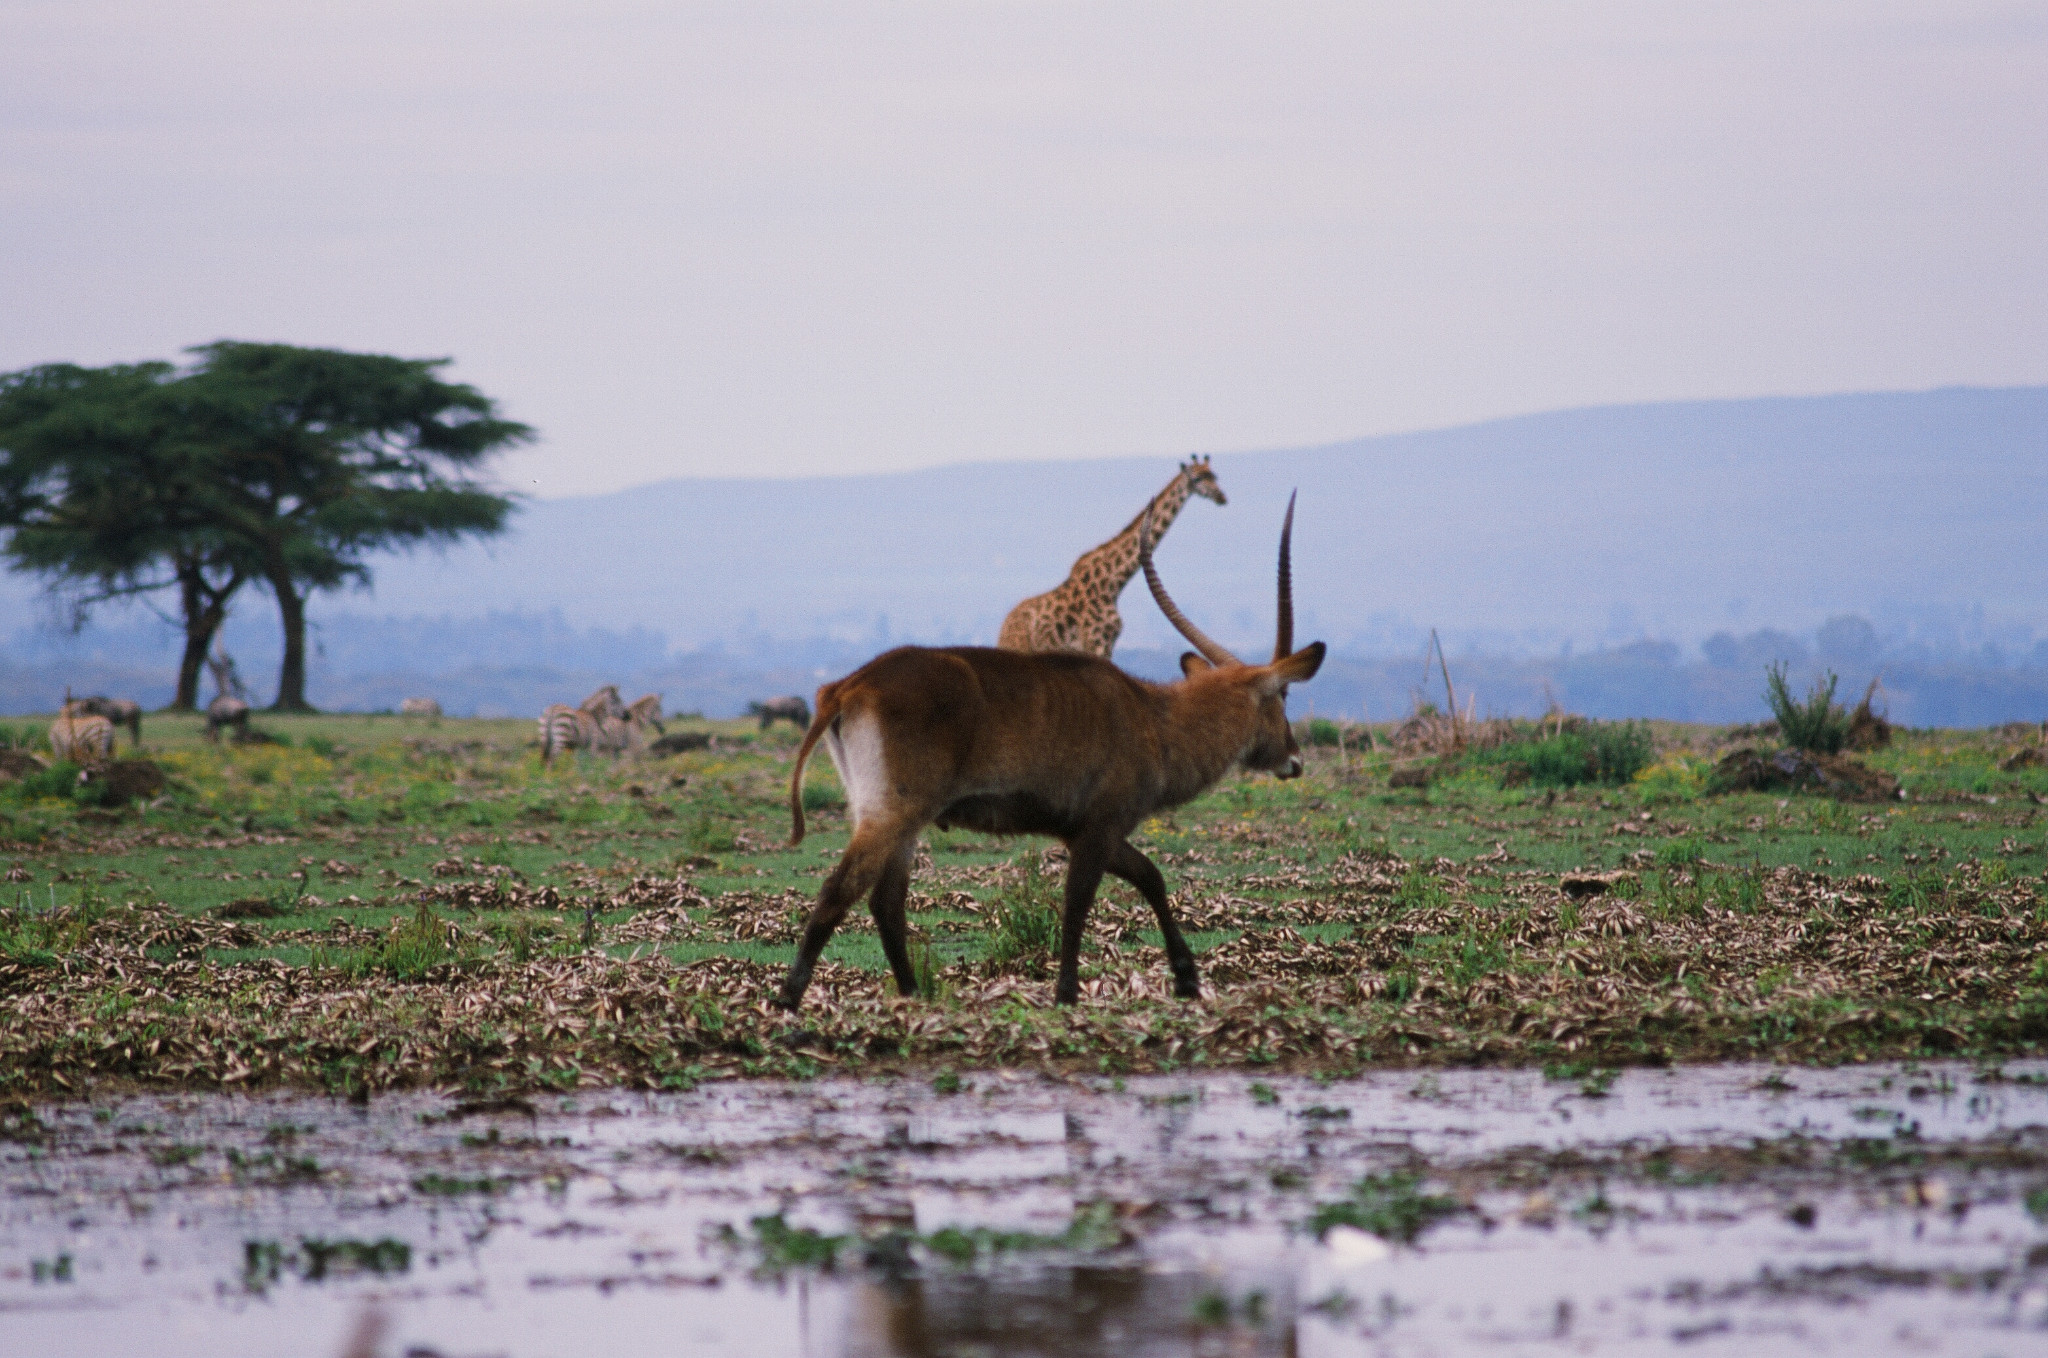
(1081, 614)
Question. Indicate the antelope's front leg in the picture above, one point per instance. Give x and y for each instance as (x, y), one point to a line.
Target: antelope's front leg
(1085, 864)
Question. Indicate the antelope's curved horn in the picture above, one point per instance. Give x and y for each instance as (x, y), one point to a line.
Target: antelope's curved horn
(1284, 644)
(1211, 651)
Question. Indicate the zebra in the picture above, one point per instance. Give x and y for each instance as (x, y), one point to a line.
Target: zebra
(81, 737)
(120, 711)
(603, 722)
(419, 707)
(786, 708)
(644, 712)
(567, 728)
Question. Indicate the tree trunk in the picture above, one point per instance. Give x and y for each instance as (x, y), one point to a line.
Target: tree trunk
(291, 675)
(205, 610)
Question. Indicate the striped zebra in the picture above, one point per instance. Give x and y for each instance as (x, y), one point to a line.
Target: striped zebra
(567, 728)
(120, 711)
(643, 715)
(81, 737)
(603, 722)
(581, 727)
(605, 704)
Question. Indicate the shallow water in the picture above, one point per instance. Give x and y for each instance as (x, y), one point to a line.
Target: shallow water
(1867, 1209)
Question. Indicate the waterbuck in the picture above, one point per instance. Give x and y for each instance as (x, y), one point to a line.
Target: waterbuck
(1045, 743)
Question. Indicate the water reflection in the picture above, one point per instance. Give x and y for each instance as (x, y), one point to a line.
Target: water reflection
(1681, 1206)
(1064, 1313)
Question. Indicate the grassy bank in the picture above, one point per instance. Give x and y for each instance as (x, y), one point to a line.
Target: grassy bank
(372, 902)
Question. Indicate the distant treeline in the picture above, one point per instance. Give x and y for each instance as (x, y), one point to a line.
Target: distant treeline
(514, 664)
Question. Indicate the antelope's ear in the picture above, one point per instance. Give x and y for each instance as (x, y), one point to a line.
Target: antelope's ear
(1302, 665)
(1192, 665)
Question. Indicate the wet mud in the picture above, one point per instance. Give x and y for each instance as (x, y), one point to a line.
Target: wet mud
(1732, 1209)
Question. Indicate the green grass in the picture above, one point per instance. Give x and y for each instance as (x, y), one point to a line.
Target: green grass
(1391, 1206)
(357, 838)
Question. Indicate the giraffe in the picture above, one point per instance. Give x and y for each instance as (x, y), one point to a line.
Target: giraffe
(1081, 614)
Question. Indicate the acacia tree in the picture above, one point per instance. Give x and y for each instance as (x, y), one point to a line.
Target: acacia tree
(261, 461)
(315, 458)
(104, 498)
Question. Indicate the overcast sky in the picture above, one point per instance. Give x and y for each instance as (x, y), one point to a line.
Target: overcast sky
(776, 239)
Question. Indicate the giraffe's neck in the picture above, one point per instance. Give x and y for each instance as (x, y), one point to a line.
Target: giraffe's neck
(1116, 561)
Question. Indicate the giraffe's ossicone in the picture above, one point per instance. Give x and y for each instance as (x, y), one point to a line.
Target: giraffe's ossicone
(1081, 614)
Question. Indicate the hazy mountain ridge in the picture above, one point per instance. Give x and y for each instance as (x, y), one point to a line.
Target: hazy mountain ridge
(1527, 539)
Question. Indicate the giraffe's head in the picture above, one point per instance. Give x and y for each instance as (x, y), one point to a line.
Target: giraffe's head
(1201, 480)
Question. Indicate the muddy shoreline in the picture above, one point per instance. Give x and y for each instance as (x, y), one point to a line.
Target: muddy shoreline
(1747, 1208)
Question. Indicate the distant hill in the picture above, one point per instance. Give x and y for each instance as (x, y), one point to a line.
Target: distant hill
(1925, 512)
(1670, 520)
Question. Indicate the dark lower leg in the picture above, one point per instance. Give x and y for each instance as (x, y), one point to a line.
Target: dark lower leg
(1140, 872)
(887, 905)
(1084, 874)
(848, 883)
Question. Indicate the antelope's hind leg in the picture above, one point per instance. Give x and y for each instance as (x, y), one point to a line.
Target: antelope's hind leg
(887, 906)
(859, 871)
(1141, 873)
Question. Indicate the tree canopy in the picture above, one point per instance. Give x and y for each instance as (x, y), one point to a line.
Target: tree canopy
(264, 461)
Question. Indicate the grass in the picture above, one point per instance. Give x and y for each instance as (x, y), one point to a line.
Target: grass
(380, 902)
(1390, 1206)
(779, 1247)
(266, 1262)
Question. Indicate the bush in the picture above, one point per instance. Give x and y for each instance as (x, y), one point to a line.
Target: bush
(1621, 750)
(823, 796)
(1602, 752)
(1819, 724)
(1027, 921)
(59, 780)
(409, 952)
(20, 737)
(1318, 731)
(1676, 777)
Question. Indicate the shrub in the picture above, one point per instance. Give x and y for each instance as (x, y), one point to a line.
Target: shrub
(409, 952)
(58, 780)
(1319, 731)
(1027, 923)
(821, 796)
(1819, 724)
(20, 737)
(1676, 777)
(1602, 752)
(1621, 750)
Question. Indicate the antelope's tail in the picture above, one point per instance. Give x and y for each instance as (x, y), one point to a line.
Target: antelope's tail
(827, 713)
